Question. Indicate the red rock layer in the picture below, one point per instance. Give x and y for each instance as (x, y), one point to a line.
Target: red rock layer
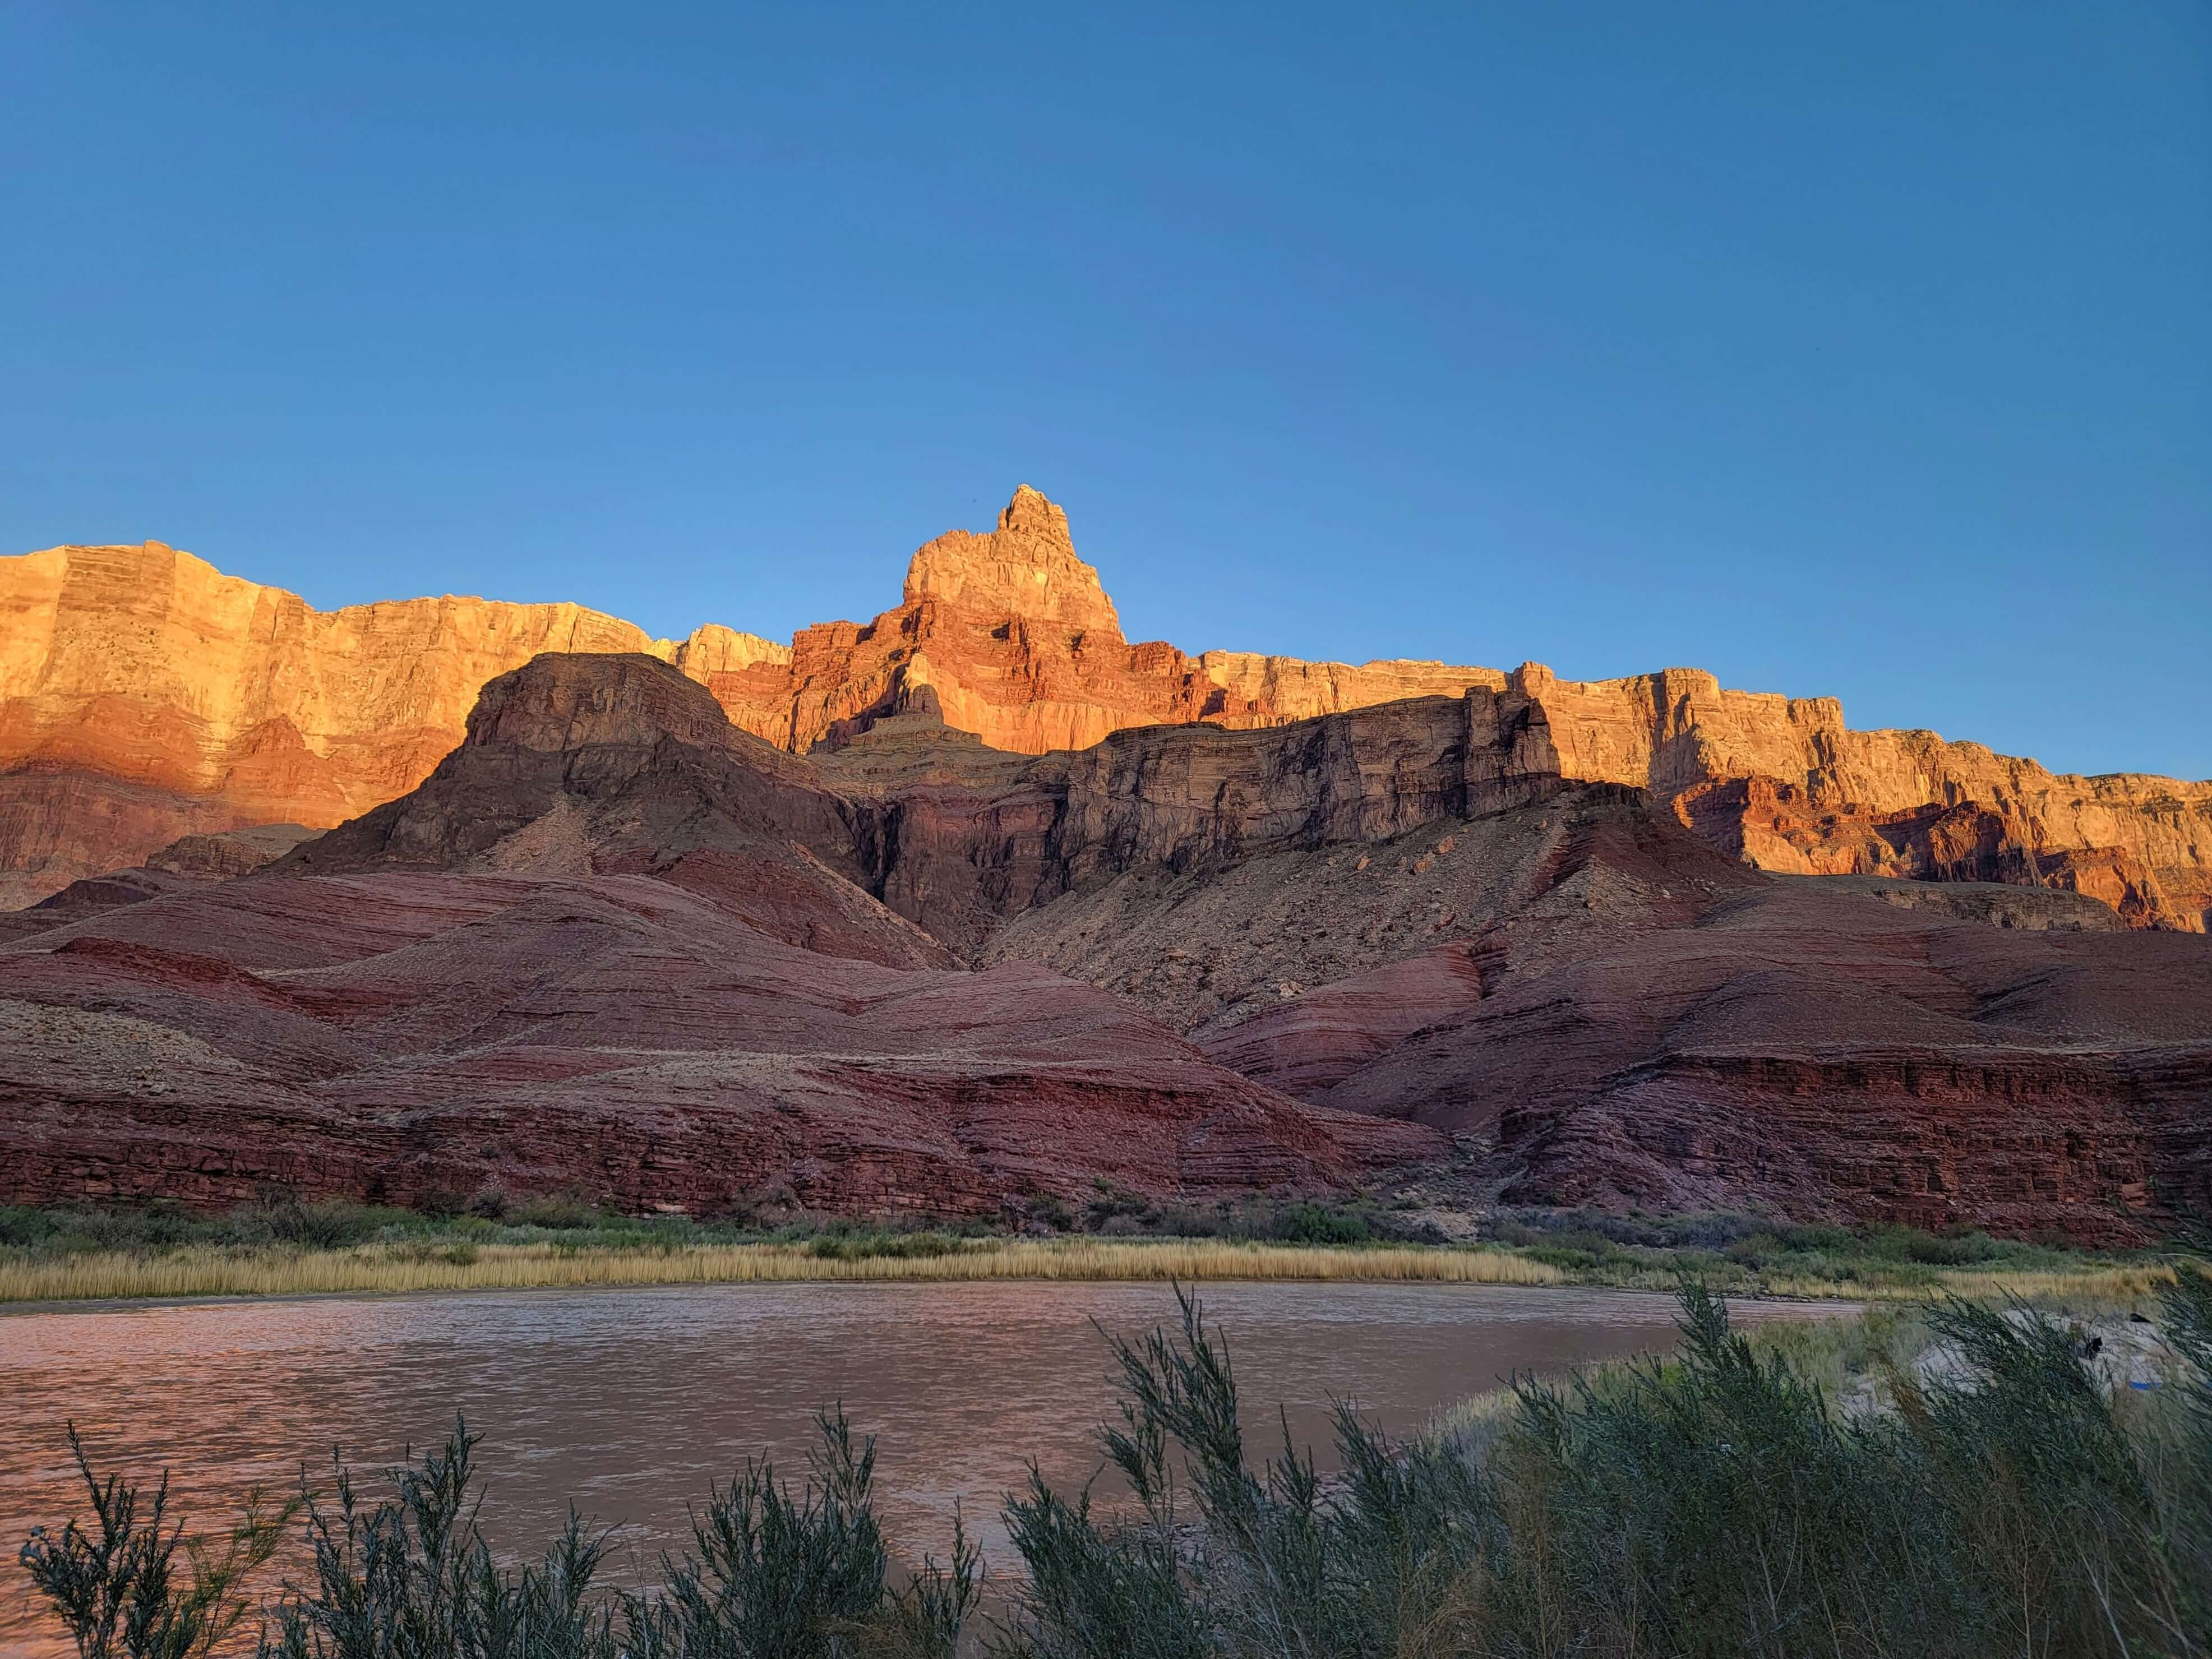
(407, 1037)
(610, 944)
(1604, 1010)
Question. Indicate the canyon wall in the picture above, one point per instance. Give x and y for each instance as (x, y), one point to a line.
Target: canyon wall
(143, 696)
(615, 945)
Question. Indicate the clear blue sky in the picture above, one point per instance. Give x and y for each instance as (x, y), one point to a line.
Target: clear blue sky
(1849, 349)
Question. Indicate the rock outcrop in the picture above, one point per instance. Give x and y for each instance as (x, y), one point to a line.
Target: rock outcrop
(612, 942)
(1603, 1010)
(1010, 636)
(612, 946)
(144, 697)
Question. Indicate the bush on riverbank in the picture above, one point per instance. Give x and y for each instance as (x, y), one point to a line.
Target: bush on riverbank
(1713, 1505)
(1723, 1247)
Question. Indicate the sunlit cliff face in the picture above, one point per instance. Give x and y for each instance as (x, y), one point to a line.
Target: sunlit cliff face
(144, 696)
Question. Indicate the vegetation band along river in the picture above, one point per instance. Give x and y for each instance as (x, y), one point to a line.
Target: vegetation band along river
(280, 1246)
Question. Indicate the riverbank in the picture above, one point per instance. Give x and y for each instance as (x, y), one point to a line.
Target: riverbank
(291, 1251)
(218, 1270)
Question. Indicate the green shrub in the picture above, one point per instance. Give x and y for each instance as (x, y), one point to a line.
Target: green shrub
(772, 1575)
(1052, 1210)
(859, 1247)
(1316, 1224)
(115, 1586)
(22, 1228)
(556, 1214)
(1713, 1505)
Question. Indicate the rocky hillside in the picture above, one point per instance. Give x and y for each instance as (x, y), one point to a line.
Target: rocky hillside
(612, 943)
(144, 697)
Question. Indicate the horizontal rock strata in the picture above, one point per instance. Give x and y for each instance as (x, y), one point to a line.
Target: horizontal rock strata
(143, 696)
(612, 943)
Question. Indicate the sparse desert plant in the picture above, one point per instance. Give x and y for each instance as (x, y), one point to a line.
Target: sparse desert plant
(115, 1586)
(413, 1574)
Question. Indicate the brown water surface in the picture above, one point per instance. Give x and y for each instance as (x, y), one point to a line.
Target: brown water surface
(630, 1403)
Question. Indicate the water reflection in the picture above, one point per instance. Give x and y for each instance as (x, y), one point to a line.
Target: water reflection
(630, 1403)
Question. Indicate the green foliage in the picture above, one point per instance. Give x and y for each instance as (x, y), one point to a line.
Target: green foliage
(1713, 1505)
(776, 1576)
(115, 1586)
(1316, 1224)
(1225, 1557)
(773, 1575)
(861, 1246)
(1743, 1250)
(556, 1214)
(412, 1578)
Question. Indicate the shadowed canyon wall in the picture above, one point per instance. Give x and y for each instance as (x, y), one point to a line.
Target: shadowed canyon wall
(144, 696)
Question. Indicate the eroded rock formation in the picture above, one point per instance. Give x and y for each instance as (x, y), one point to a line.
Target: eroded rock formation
(609, 945)
(613, 943)
(144, 697)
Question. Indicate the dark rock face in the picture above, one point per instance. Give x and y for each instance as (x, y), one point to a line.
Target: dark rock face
(582, 765)
(1823, 1055)
(960, 857)
(612, 943)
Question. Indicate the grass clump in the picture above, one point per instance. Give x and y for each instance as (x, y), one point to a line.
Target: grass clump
(772, 1573)
(1713, 1505)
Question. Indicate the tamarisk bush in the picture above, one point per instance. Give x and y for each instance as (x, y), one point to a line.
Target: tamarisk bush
(115, 1586)
(1711, 1504)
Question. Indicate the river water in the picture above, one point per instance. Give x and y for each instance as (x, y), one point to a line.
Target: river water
(630, 1403)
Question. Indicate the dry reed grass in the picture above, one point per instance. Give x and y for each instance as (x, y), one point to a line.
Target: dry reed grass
(211, 1270)
(396, 1268)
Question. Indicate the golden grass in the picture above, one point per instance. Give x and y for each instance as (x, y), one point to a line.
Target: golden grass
(394, 1268)
(229, 1270)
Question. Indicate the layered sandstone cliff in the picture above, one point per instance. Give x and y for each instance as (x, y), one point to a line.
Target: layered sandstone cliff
(612, 946)
(1783, 783)
(143, 696)
(1015, 639)
(612, 943)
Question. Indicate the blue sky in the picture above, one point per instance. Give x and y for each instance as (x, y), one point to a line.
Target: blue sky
(1858, 350)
